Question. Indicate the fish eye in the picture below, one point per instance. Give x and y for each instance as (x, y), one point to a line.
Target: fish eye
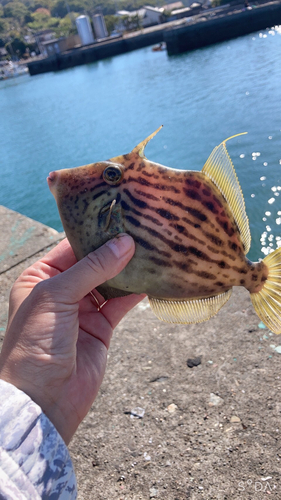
(112, 174)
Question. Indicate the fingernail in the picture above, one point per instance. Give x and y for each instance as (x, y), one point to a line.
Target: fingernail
(120, 245)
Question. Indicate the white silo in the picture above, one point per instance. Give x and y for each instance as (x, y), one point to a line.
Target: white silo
(99, 26)
(84, 29)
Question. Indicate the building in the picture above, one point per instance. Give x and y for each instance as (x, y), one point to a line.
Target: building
(43, 36)
(153, 15)
(148, 16)
(59, 45)
(99, 26)
(3, 53)
(193, 10)
(169, 7)
(84, 29)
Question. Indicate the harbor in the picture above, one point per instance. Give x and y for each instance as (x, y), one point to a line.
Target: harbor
(208, 27)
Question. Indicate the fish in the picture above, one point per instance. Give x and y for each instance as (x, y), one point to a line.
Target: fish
(190, 228)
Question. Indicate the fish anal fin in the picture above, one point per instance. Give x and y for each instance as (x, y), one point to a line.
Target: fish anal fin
(188, 311)
(140, 147)
(267, 302)
(219, 168)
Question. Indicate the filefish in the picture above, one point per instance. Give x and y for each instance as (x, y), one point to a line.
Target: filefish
(190, 229)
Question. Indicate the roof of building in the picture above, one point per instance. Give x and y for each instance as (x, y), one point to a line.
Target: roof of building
(159, 10)
(44, 32)
(139, 12)
(180, 11)
(173, 6)
(50, 42)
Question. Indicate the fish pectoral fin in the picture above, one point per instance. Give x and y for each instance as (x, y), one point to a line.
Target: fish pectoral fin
(219, 168)
(188, 311)
(140, 147)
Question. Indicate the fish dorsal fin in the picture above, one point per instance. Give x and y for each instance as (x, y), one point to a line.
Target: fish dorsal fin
(220, 170)
(188, 311)
(140, 147)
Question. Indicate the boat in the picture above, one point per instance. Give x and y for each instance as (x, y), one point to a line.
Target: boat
(12, 69)
(161, 46)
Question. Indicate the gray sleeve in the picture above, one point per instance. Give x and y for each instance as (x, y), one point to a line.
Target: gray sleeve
(34, 460)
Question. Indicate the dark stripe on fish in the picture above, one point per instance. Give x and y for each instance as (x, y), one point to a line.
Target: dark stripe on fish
(160, 262)
(191, 193)
(166, 214)
(133, 221)
(147, 174)
(205, 275)
(127, 207)
(229, 230)
(146, 195)
(193, 182)
(210, 206)
(144, 182)
(139, 203)
(214, 239)
(199, 254)
(182, 230)
(98, 195)
(94, 188)
(196, 213)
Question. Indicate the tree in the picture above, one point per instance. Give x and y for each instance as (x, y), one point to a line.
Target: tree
(131, 22)
(16, 10)
(67, 25)
(16, 47)
(111, 22)
(3, 26)
(42, 21)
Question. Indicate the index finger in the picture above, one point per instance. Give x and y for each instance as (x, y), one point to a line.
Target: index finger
(61, 257)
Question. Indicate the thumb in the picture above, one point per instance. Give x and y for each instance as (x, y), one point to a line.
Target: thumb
(94, 269)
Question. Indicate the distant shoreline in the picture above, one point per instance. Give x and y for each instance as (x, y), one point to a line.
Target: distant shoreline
(182, 35)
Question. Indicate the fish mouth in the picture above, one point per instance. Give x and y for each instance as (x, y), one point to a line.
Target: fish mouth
(51, 180)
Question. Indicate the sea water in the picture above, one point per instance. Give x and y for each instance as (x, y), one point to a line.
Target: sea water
(104, 109)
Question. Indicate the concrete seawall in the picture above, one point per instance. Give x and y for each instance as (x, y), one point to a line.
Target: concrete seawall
(208, 432)
(209, 31)
(96, 52)
(181, 35)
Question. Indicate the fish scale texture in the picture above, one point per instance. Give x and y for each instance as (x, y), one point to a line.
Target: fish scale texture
(34, 460)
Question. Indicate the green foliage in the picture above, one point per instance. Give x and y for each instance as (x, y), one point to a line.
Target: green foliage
(3, 26)
(66, 25)
(19, 17)
(59, 8)
(17, 10)
(46, 4)
(131, 23)
(16, 47)
(111, 22)
(42, 21)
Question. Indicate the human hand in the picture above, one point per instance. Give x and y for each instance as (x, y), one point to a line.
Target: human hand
(56, 343)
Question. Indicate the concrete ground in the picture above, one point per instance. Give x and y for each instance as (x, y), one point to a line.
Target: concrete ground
(185, 411)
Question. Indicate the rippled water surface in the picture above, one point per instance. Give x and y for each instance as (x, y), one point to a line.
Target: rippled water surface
(100, 110)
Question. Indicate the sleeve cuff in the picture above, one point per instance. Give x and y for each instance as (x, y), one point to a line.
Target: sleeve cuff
(34, 460)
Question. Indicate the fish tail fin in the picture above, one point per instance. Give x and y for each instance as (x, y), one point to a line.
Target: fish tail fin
(267, 302)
